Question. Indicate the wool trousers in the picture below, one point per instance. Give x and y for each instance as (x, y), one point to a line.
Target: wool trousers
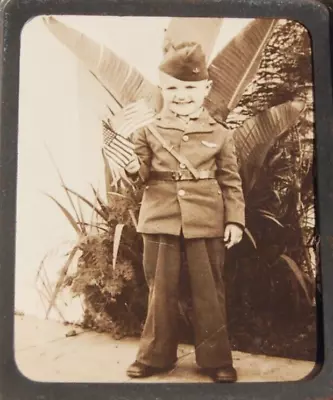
(162, 261)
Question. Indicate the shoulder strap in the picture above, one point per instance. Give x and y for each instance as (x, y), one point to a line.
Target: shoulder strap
(182, 159)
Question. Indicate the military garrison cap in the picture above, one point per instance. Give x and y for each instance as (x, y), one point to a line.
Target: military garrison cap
(186, 62)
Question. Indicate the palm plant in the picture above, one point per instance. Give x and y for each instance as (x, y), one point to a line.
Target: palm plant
(108, 274)
(257, 137)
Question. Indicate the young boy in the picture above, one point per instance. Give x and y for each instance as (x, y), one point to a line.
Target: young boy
(193, 201)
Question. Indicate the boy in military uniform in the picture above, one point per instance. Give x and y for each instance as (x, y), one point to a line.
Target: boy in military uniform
(193, 200)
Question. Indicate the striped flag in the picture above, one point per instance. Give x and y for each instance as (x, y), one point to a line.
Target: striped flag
(116, 147)
(116, 131)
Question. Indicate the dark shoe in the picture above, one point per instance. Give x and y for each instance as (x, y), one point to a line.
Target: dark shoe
(224, 375)
(139, 370)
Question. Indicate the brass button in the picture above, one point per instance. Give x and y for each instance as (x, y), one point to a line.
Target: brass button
(181, 192)
(182, 166)
(185, 138)
(147, 187)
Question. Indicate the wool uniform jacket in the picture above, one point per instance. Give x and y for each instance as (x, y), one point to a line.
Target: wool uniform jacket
(198, 209)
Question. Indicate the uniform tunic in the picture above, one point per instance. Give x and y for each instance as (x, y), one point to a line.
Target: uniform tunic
(197, 208)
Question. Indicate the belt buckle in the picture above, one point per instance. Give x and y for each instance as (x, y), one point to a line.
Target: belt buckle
(176, 175)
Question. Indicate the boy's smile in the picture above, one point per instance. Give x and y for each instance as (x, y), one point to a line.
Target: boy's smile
(183, 97)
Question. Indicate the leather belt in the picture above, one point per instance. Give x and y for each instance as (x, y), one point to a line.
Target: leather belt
(180, 175)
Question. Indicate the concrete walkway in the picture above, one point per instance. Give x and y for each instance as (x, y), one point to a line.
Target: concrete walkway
(46, 351)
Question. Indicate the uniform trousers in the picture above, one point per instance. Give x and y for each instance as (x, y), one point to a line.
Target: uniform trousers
(162, 262)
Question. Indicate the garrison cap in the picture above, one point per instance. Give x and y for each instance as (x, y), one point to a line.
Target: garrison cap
(186, 62)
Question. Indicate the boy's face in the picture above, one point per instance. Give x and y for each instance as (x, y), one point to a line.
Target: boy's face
(183, 97)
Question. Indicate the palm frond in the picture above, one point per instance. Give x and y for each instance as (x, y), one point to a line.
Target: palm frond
(250, 236)
(97, 226)
(89, 203)
(271, 218)
(122, 81)
(102, 204)
(116, 243)
(61, 279)
(75, 224)
(119, 195)
(256, 136)
(82, 221)
(298, 274)
(63, 184)
(233, 69)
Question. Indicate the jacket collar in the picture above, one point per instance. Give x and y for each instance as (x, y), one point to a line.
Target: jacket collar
(203, 123)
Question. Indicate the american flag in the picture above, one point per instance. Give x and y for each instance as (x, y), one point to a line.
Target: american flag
(117, 146)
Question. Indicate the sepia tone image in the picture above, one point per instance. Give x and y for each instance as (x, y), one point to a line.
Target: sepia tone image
(166, 209)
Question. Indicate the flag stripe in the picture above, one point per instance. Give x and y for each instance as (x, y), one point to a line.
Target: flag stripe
(115, 157)
(119, 147)
(121, 157)
(125, 142)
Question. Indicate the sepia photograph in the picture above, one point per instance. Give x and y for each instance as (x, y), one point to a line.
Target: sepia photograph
(166, 222)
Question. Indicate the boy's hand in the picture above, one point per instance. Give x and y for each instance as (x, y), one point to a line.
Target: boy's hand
(133, 166)
(233, 234)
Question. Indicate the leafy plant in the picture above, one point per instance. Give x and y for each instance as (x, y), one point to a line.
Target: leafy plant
(109, 272)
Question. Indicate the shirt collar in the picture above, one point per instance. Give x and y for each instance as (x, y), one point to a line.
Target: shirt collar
(201, 122)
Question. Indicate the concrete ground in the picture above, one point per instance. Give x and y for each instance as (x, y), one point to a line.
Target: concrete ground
(46, 351)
